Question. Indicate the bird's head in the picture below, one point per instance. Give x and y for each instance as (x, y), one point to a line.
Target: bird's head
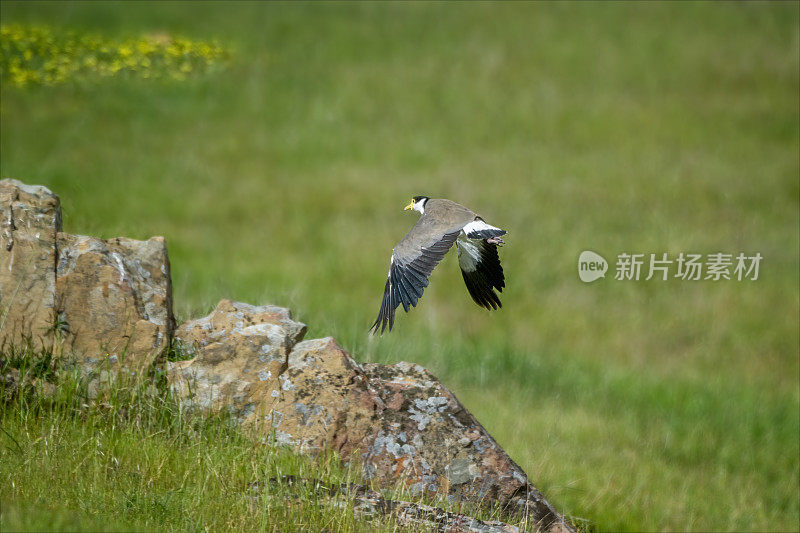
(418, 204)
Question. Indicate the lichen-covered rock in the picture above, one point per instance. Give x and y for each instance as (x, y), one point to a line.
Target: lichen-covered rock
(322, 400)
(114, 299)
(30, 217)
(424, 436)
(240, 351)
(403, 425)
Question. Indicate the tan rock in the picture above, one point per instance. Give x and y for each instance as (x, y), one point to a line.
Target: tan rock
(240, 351)
(321, 401)
(30, 216)
(114, 299)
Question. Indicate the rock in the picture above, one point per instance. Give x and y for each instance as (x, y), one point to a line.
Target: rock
(240, 351)
(426, 437)
(30, 217)
(114, 299)
(322, 401)
(397, 421)
(9, 385)
(404, 425)
(370, 504)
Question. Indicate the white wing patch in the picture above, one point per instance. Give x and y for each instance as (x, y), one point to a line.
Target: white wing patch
(478, 229)
(468, 255)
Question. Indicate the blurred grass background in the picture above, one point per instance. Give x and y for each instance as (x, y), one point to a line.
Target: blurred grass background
(648, 127)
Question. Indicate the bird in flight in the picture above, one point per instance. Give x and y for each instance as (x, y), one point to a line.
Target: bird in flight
(442, 222)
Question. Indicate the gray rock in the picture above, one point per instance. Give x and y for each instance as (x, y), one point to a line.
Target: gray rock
(450, 453)
(370, 504)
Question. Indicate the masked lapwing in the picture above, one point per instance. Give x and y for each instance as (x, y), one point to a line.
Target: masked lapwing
(442, 223)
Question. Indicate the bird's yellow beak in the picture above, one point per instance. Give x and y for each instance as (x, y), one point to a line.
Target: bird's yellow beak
(409, 206)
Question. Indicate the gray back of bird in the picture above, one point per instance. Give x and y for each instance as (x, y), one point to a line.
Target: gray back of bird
(441, 216)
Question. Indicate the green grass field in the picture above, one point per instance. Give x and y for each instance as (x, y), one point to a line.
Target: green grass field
(647, 128)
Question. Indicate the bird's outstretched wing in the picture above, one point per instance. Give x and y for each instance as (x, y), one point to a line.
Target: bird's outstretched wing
(480, 267)
(408, 277)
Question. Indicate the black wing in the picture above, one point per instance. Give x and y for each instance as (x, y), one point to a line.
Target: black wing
(407, 280)
(480, 267)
